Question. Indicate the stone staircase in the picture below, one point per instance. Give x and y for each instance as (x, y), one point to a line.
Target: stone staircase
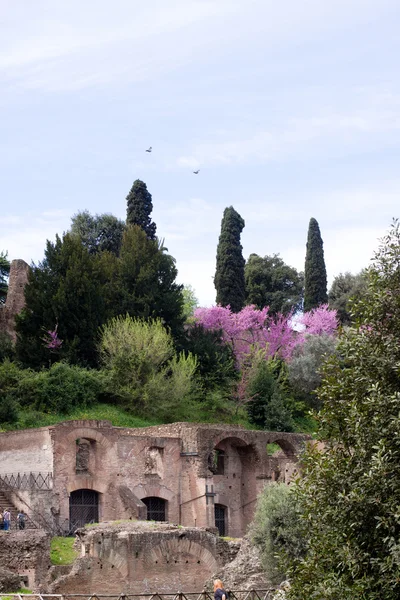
(6, 503)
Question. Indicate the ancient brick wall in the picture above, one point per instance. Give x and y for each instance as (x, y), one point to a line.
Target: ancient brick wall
(188, 468)
(144, 558)
(25, 451)
(26, 553)
(15, 301)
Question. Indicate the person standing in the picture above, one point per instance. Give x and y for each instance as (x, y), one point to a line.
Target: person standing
(21, 520)
(7, 519)
(219, 591)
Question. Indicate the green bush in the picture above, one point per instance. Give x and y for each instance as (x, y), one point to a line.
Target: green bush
(275, 529)
(270, 406)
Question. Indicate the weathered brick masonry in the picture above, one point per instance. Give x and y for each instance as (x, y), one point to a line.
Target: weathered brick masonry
(189, 474)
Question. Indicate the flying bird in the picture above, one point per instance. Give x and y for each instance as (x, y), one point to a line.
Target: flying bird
(196, 172)
(149, 149)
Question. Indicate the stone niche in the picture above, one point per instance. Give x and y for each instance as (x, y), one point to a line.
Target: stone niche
(141, 557)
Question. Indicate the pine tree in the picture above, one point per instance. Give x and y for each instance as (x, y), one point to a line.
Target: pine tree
(229, 276)
(315, 284)
(139, 209)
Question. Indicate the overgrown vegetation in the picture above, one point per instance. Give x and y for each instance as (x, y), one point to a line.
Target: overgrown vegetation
(349, 492)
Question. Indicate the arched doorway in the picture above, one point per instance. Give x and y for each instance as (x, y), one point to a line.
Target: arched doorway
(156, 508)
(83, 508)
(220, 518)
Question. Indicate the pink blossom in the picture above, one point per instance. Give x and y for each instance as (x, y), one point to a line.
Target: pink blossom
(51, 340)
(320, 320)
(252, 330)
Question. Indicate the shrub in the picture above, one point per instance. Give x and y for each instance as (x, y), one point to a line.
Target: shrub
(275, 530)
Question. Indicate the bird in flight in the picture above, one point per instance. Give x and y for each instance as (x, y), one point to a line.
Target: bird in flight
(196, 172)
(149, 149)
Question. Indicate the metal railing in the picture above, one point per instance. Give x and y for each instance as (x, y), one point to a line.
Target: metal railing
(266, 594)
(26, 481)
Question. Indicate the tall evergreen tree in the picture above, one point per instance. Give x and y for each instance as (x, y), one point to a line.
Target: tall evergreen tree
(4, 272)
(315, 284)
(229, 276)
(139, 209)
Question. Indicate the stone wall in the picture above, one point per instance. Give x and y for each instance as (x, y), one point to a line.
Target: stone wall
(144, 557)
(188, 468)
(25, 451)
(15, 301)
(26, 553)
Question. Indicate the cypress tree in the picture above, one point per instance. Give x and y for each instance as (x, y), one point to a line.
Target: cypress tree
(315, 284)
(139, 209)
(229, 276)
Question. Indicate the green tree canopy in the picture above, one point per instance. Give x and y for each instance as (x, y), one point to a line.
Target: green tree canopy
(271, 282)
(79, 291)
(68, 288)
(345, 287)
(315, 283)
(139, 208)
(349, 494)
(4, 272)
(229, 276)
(98, 232)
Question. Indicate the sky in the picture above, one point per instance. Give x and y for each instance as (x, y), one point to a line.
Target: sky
(290, 110)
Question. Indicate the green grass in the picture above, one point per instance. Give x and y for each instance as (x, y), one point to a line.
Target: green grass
(20, 591)
(305, 424)
(272, 448)
(108, 412)
(62, 551)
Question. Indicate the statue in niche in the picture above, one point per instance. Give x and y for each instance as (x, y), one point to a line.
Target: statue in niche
(82, 455)
(153, 461)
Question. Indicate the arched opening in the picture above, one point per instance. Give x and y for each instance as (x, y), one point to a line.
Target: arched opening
(83, 508)
(220, 518)
(156, 508)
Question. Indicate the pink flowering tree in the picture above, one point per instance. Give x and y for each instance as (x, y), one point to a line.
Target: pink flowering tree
(252, 330)
(52, 341)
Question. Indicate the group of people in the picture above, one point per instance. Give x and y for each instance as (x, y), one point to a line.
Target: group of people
(5, 519)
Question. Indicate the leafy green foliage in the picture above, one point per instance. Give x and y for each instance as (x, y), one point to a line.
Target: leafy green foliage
(268, 405)
(275, 529)
(144, 369)
(190, 302)
(78, 291)
(229, 276)
(139, 209)
(146, 285)
(216, 362)
(315, 282)
(346, 287)
(69, 288)
(4, 272)
(304, 367)
(270, 282)
(6, 346)
(98, 232)
(350, 491)
(57, 389)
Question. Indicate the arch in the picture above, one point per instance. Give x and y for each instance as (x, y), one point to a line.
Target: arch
(163, 551)
(153, 489)
(89, 433)
(287, 447)
(90, 483)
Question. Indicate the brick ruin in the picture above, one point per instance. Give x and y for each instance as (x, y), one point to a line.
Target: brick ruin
(194, 475)
(143, 557)
(15, 301)
(191, 481)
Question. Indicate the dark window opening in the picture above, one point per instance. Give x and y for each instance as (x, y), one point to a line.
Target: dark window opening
(220, 519)
(83, 508)
(156, 508)
(219, 462)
